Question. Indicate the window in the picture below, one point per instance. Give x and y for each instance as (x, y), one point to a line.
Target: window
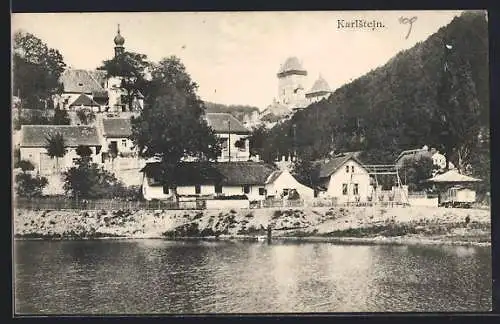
(124, 142)
(285, 192)
(218, 189)
(166, 191)
(355, 189)
(224, 144)
(352, 169)
(197, 189)
(344, 189)
(262, 191)
(347, 169)
(246, 189)
(75, 160)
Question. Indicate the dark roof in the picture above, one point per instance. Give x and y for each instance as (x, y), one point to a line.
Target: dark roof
(292, 65)
(224, 173)
(84, 100)
(36, 135)
(275, 175)
(411, 152)
(116, 127)
(320, 86)
(223, 123)
(80, 81)
(328, 168)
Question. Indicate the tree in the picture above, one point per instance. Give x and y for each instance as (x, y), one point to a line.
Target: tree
(56, 147)
(87, 180)
(415, 170)
(83, 151)
(61, 117)
(171, 125)
(29, 186)
(113, 153)
(305, 171)
(131, 68)
(24, 165)
(85, 116)
(36, 70)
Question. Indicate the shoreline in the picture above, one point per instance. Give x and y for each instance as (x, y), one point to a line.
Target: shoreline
(341, 225)
(380, 240)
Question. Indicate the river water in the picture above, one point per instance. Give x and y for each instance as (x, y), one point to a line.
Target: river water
(156, 276)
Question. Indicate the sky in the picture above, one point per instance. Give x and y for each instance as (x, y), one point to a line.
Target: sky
(234, 56)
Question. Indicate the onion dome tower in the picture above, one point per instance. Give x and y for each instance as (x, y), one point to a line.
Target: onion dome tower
(119, 41)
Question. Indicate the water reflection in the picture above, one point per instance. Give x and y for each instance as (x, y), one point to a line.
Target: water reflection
(155, 276)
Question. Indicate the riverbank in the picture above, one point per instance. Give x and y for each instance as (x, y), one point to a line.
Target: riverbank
(370, 225)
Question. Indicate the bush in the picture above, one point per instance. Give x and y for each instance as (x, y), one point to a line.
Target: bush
(29, 186)
(85, 116)
(24, 165)
(87, 180)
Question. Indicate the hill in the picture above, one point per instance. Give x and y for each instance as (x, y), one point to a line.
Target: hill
(410, 101)
(240, 112)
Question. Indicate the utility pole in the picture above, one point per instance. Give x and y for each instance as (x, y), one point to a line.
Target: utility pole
(229, 138)
(294, 126)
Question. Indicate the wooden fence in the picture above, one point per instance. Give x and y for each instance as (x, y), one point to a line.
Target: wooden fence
(102, 204)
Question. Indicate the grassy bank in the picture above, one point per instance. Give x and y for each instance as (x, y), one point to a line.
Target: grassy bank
(354, 224)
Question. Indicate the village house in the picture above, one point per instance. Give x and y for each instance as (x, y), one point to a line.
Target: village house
(235, 145)
(116, 134)
(255, 180)
(34, 140)
(344, 178)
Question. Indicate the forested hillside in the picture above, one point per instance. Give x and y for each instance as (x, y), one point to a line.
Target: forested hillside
(238, 111)
(410, 101)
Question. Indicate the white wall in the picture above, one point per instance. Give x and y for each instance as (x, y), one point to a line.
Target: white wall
(236, 153)
(226, 204)
(286, 87)
(287, 181)
(126, 147)
(427, 202)
(340, 177)
(38, 155)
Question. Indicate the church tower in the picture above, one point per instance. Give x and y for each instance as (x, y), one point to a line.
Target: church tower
(119, 41)
(291, 80)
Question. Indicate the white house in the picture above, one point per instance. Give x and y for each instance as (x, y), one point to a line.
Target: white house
(280, 183)
(344, 178)
(116, 133)
(34, 142)
(78, 82)
(209, 180)
(235, 145)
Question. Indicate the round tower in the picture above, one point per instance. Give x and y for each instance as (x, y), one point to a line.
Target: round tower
(291, 80)
(119, 41)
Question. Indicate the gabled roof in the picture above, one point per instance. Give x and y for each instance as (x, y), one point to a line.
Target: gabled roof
(452, 176)
(335, 163)
(291, 65)
(36, 135)
(273, 176)
(225, 123)
(84, 100)
(224, 173)
(276, 109)
(411, 152)
(320, 86)
(80, 81)
(116, 127)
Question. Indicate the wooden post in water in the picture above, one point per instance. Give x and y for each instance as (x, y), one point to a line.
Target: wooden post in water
(269, 234)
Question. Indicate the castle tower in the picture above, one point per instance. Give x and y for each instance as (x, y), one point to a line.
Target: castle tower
(291, 80)
(319, 90)
(119, 41)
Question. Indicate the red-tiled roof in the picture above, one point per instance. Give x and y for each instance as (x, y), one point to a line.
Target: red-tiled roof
(36, 135)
